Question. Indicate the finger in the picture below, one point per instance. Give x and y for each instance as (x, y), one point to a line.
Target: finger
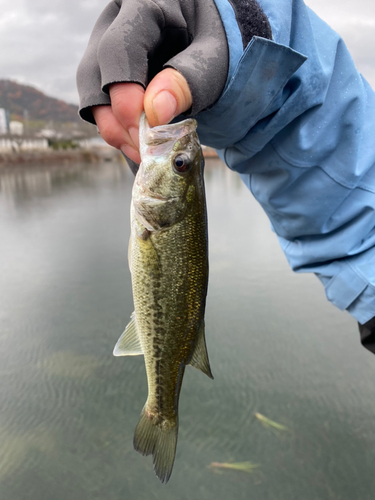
(127, 107)
(113, 132)
(132, 154)
(167, 96)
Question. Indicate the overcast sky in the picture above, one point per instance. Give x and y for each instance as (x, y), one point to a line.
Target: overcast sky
(42, 41)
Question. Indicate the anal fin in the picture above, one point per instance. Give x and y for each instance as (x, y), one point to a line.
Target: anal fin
(129, 343)
(199, 358)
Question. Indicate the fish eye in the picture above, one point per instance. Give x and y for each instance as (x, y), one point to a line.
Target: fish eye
(181, 163)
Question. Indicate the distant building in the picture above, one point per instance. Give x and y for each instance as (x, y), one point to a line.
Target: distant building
(48, 133)
(16, 128)
(3, 121)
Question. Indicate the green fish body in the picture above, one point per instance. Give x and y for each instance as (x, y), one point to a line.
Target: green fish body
(168, 259)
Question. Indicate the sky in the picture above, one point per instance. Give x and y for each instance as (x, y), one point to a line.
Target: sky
(42, 41)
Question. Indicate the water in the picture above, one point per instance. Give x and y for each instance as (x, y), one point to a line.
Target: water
(277, 347)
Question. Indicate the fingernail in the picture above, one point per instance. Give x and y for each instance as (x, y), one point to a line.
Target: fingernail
(134, 134)
(164, 107)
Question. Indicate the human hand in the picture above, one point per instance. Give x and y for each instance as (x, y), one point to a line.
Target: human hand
(179, 47)
(167, 96)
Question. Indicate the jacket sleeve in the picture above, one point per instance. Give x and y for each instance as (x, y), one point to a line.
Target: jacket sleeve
(297, 121)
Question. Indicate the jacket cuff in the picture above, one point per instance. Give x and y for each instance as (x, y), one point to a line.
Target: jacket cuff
(261, 73)
(350, 291)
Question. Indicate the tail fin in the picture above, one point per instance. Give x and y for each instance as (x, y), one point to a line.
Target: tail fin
(158, 440)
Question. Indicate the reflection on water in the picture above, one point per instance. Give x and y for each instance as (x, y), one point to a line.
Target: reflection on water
(23, 184)
(293, 390)
(69, 364)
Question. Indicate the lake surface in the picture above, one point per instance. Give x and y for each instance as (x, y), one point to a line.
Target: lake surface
(68, 408)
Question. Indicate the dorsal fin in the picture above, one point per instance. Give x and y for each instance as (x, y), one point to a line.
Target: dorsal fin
(199, 358)
(129, 343)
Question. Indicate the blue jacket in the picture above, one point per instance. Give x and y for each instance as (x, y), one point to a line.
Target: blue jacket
(297, 122)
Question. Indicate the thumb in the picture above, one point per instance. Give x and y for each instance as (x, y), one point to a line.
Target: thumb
(166, 96)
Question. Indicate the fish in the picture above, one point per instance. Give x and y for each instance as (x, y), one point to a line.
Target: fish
(168, 260)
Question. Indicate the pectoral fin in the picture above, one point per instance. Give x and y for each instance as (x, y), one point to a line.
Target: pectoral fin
(199, 358)
(129, 343)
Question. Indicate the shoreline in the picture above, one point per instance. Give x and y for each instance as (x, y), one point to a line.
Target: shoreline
(94, 155)
(25, 158)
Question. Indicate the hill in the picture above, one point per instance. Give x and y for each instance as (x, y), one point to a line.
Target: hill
(16, 98)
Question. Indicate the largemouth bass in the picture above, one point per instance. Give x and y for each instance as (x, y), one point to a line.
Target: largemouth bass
(168, 259)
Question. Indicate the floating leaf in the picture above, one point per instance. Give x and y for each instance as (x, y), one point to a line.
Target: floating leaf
(241, 466)
(267, 422)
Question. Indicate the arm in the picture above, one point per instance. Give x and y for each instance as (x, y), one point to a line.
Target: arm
(301, 133)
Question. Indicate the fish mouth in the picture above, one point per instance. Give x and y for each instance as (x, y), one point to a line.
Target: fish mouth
(160, 137)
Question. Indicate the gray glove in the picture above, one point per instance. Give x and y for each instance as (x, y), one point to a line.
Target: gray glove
(133, 40)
